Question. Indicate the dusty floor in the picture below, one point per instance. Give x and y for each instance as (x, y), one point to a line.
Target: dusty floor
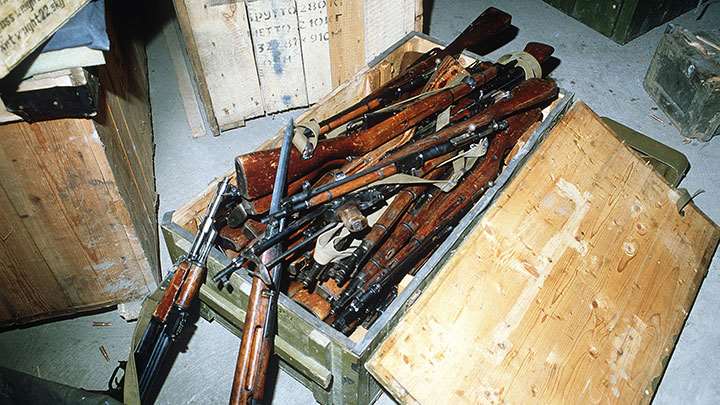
(605, 75)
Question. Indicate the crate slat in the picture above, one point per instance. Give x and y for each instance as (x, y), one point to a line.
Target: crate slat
(278, 54)
(217, 37)
(299, 49)
(78, 229)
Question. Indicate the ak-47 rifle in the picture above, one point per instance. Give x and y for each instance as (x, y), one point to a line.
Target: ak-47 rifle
(172, 311)
(437, 220)
(261, 315)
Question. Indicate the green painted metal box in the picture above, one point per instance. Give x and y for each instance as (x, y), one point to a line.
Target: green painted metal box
(684, 80)
(329, 363)
(623, 20)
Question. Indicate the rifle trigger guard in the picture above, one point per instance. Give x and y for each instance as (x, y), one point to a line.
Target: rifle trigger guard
(304, 144)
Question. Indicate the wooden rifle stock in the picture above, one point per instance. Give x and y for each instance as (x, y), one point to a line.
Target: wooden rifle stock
(487, 25)
(446, 72)
(171, 292)
(260, 325)
(255, 174)
(171, 313)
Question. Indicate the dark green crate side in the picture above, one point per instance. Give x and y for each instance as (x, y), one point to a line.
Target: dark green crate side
(566, 6)
(683, 83)
(602, 16)
(650, 14)
(623, 20)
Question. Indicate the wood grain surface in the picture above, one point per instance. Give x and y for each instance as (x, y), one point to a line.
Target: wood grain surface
(572, 288)
(78, 219)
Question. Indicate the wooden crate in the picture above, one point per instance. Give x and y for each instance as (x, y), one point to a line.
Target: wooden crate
(323, 359)
(78, 227)
(575, 285)
(257, 57)
(623, 20)
(25, 24)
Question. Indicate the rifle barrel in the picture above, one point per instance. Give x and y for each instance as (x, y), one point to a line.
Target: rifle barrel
(261, 316)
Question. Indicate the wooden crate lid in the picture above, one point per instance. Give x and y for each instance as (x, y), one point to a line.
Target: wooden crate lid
(26, 24)
(573, 287)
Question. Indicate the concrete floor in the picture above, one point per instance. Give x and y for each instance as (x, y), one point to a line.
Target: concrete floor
(605, 75)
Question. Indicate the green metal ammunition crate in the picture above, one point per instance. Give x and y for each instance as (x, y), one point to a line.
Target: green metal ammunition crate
(623, 20)
(684, 80)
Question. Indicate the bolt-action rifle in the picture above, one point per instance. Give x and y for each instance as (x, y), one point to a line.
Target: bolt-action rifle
(486, 26)
(483, 87)
(414, 156)
(438, 219)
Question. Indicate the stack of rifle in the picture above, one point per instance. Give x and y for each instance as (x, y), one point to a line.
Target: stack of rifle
(352, 204)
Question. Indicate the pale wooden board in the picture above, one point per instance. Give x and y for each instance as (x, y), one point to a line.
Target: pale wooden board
(191, 50)
(25, 24)
(386, 21)
(573, 287)
(220, 39)
(191, 106)
(6, 116)
(48, 62)
(346, 25)
(66, 239)
(315, 42)
(278, 55)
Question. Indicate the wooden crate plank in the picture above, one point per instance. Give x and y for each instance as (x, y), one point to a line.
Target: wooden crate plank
(418, 25)
(346, 25)
(221, 39)
(26, 24)
(193, 112)
(59, 184)
(574, 285)
(20, 298)
(315, 41)
(279, 59)
(191, 49)
(125, 128)
(386, 21)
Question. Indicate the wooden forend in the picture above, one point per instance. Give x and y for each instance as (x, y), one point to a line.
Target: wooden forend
(573, 287)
